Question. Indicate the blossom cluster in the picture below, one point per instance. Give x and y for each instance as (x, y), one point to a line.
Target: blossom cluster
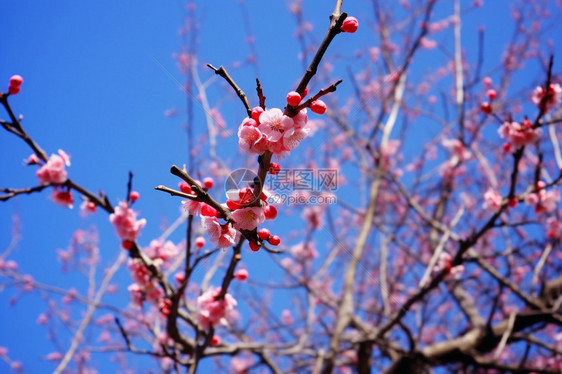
(519, 134)
(211, 310)
(144, 287)
(245, 215)
(271, 130)
(543, 200)
(53, 172)
(125, 221)
(549, 98)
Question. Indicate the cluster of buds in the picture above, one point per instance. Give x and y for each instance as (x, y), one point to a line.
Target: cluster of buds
(486, 106)
(519, 134)
(14, 86)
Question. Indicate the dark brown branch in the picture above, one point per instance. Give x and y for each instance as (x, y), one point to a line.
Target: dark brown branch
(223, 73)
(12, 192)
(201, 193)
(259, 91)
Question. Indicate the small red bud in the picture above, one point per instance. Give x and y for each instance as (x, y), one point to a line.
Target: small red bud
(250, 122)
(199, 242)
(350, 24)
(506, 147)
(270, 212)
(241, 274)
(215, 340)
(274, 168)
(512, 202)
(134, 196)
(16, 80)
(318, 107)
(208, 183)
(274, 240)
(486, 107)
(491, 94)
(305, 92)
(91, 206)
(263, 234)
(256, 112)
(293, 98)
(254, 246)
(184, 187)
(179, 276)
(14, 90)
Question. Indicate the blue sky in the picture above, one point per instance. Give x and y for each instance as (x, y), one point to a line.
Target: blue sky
(98, 77)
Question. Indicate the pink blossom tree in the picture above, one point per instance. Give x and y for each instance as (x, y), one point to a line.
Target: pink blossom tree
(437, 249)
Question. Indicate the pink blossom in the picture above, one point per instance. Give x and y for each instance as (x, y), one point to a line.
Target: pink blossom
(137, 296)
(248, 139)
(427, 43)
(444, 263)
(240, 365)
(54, 356)
(273, 123)
(222, 235)
(54, 170)
(192, 207)
(543, 200)
(554, 227)
(456, 147)
(304, 251)
(163, 251)
(293, 137)
(519, 135)
(313, 217)
(33, 160)
(125, 221)
(211, 311)
(553, 97)
(248, 218)
(492, 200)
(63, 198)
(286, 317)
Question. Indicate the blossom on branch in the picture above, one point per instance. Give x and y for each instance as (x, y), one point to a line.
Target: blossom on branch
(492, 200)
(54, 172)
(248, 218)
(552, 98)
(274, 132)
(222, 235)
(211, 311)
(125, 221)
(519, 134)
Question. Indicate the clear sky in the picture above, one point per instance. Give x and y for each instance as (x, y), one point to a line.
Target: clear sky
(98, 77)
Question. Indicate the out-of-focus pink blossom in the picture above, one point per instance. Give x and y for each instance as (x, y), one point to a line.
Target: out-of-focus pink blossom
(519, 135)
(286, 317)
(444, 263)
(551, 99)
(54, 170)
(492, 200)
(54, 356)
(211, 311)
(543, 200)
(125, 221)
(456, 147)
(63, 198)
